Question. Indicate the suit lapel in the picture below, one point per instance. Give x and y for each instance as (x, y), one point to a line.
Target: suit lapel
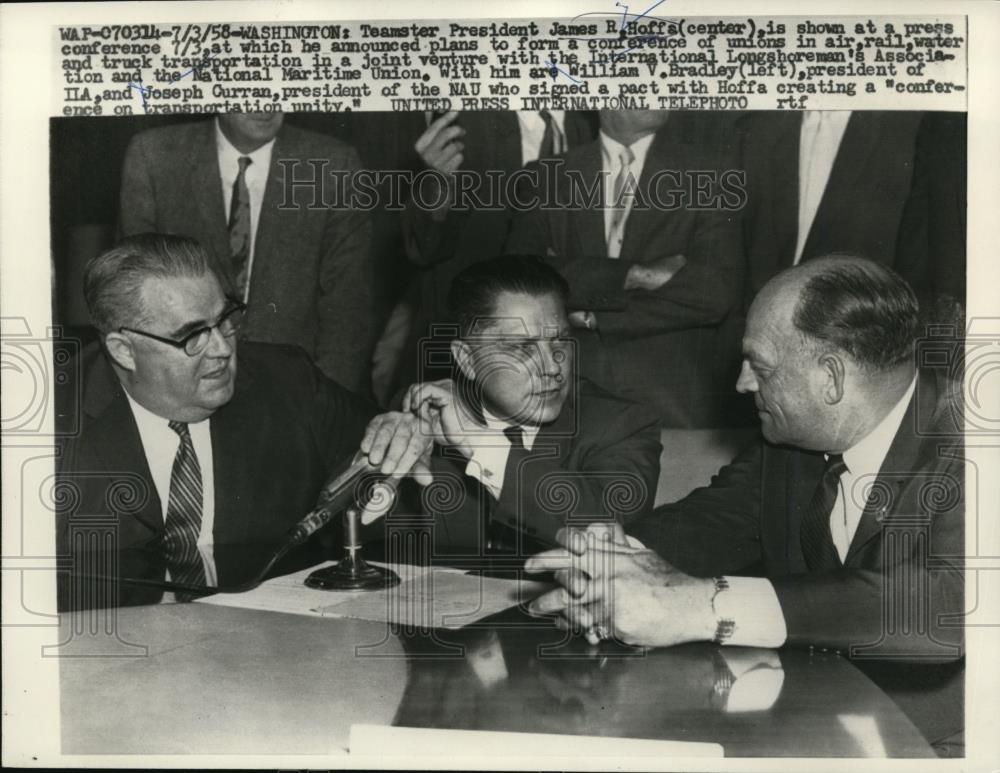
(272, 221)
(850, 166)
(116, 441)
(588, 222)
(901, 461)
(663, 154)
(206, 187)
(785, 193)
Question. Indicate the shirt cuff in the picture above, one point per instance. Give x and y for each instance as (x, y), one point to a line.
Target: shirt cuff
(488, 464)
(752, 605)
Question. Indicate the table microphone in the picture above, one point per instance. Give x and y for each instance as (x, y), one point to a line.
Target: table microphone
(345, 487)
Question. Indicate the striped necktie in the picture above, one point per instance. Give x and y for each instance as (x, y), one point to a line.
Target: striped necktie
(620, 203)
(184, 510)
(239, 227)
(816, 539)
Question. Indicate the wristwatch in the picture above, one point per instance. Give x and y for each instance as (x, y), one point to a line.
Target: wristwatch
(725, 623)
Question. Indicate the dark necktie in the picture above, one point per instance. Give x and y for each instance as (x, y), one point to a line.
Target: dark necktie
(551, 139)
(500, 538)
(239, 227)
(816, 540)
(184, 509)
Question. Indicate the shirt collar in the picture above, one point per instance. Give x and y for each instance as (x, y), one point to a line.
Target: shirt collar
(146, 418)
(612, 149)
(229, 156)
(866, 456)
(532, 119)
(530, 430)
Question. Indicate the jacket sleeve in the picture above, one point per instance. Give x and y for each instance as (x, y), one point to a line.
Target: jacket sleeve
(702, 293)
(614, 476)
(714, 529)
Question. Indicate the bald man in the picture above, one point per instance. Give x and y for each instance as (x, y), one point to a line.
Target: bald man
(842, 528)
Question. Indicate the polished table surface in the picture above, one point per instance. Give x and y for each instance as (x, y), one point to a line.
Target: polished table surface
(197, 678)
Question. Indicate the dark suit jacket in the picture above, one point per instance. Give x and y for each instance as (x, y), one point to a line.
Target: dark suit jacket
(600, 458)
(273, 444)
(910, 537)
(931, 250)
(312, 276)
(441, 250)
(861, 206)
(653, 347)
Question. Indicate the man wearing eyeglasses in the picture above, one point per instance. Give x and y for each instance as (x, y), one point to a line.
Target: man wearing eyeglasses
(187, 448)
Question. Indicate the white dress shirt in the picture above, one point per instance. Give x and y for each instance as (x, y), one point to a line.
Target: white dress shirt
(532, 127)
(864, 460)
(256, 178)
(490, 449)
(819, 141)
(751, 601)
(611, 153)
(160, 444)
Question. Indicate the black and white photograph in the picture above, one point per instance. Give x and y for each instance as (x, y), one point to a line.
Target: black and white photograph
(638, 412)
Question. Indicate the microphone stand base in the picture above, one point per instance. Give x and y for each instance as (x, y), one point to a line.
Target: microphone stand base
(352, 573)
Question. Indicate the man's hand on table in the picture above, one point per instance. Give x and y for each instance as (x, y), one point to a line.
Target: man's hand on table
(610, 589)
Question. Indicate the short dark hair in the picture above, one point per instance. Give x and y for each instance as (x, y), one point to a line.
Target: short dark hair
(859, 307)
(112, 281)
(474, 291)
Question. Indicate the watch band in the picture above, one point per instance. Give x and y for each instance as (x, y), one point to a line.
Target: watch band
(724, 626)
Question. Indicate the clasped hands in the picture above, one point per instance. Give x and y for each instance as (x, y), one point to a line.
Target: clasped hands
(610, 589)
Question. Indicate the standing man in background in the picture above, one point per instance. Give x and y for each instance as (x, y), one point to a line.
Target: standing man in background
(304, 269)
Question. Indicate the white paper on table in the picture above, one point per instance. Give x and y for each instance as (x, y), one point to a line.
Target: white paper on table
(420, 741)
(431, 597)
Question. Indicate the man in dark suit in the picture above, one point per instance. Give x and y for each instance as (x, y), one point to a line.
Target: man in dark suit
(843, 525)
(820, 182)
(189, 454)
(244, 187)
(487, 148)
(654, 266)
(523, 446)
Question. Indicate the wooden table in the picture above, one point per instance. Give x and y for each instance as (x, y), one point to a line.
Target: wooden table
(185, 678)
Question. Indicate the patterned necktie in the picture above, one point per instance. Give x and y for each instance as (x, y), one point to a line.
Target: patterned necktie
(184, 509)
(815, 539)
(619, 204)
(552, 138)
(239, 227)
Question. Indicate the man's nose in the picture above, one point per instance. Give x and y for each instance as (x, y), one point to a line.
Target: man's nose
(552, 358)
(219, 345)
(747, 381)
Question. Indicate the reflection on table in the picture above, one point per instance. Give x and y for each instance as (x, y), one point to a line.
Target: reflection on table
(184, 678)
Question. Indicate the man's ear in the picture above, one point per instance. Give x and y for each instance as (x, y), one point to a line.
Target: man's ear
(462, 353)
(833, 378)
(119, 348)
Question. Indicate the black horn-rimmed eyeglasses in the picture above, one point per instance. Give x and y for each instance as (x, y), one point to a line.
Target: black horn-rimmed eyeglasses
(195, 342)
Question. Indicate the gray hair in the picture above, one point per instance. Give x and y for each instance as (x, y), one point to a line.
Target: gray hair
(112, 281)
